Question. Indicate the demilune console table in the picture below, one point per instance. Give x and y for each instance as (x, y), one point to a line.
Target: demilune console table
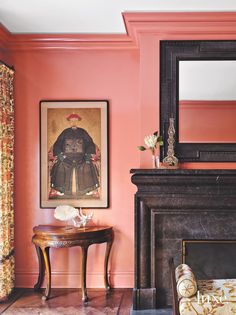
(46, 236)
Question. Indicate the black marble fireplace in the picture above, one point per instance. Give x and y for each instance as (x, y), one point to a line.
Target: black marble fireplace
(170, 206)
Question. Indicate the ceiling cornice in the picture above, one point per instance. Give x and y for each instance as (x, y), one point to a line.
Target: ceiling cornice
(136, 24)
(179, 23)
(70, 42)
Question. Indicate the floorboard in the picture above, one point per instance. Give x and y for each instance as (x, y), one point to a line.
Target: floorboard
(126, 302)
(68, 302)
(13, 297)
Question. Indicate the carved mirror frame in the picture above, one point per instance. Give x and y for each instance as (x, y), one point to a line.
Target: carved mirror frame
(171, 52)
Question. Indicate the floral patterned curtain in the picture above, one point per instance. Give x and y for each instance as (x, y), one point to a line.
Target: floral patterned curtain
(6, 181)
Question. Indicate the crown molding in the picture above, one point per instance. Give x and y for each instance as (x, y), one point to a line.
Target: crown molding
(69, 42)
(173, 24)
(218, 25)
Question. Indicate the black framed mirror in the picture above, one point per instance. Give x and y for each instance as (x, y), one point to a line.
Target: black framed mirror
(198, 89)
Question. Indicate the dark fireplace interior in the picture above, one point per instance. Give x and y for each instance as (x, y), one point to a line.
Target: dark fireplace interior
(210, 259)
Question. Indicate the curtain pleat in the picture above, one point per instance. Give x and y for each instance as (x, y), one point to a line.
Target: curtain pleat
(6, 182)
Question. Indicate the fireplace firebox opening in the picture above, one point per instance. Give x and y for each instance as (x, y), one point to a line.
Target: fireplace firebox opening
(210, 259)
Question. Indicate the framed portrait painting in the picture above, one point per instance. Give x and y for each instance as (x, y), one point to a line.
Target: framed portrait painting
(74, 154)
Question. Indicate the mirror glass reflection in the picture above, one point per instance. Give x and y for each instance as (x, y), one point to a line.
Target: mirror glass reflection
(207, 101)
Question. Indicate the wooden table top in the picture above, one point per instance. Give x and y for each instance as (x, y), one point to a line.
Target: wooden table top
(57, 230)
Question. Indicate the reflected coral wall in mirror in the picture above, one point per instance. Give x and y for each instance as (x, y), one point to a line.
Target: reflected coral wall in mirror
(207, 121)
(207, 101)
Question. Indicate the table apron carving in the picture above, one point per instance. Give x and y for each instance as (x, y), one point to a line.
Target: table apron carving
(66, 243)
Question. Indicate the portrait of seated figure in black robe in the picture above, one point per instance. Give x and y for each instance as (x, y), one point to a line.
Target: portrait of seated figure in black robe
(73, 158)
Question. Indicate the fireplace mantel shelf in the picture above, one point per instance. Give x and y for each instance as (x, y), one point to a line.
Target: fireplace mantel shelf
(169, 172)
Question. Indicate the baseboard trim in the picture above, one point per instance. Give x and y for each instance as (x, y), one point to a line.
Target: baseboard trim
(64, 279)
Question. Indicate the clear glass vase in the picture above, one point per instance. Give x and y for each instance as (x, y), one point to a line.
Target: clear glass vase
(155, 161)
(77, 222)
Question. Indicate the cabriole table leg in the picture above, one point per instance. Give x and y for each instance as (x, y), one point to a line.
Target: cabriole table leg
(83, 276)
(46, 257)
(108, 250)
(41, 268)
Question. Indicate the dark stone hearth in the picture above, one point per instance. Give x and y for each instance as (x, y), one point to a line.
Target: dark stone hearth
(152, 312)
(172, 205)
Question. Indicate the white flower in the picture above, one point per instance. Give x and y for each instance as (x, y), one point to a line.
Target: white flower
(65, 213)
(151, 141)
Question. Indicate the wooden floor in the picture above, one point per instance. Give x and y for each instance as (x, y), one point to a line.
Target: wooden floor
(68, 302)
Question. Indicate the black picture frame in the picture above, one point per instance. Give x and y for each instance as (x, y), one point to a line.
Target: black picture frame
(171, 52)
(83, 161)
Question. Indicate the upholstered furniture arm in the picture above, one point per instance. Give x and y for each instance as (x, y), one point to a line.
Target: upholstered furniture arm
(175, 301)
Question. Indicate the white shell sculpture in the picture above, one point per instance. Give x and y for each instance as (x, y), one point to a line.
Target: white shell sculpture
(65, 213)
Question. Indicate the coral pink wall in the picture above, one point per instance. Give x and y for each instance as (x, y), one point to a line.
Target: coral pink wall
(125, 71)
(4, 52)
(4, 57)
(75, 75)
